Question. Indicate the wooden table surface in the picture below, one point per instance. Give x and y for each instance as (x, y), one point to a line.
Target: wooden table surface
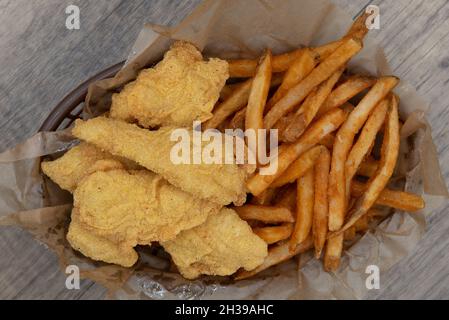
(40, 61)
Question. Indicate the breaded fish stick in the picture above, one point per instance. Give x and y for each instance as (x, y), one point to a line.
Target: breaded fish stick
(219, 183)
(137, 207)
(220, 246)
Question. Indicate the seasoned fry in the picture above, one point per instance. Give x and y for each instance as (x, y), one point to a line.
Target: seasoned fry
(276, 255)
(298, 168)
(389, 155)
(333, 252)
(300, 68)
(244, 68)
(287, 198)
(350, 234)
(307, 112)
(368, 167)
(304, 209)
(328, 141)
(268, 214)
(274, 234)
(366, 139)
(258, 97)
(327, 124)
(391, 198)
(265, 198)
(345, 91)
(358, 28)
(323, 71)
(238, 121)
(343, 142)
(321, 203)
(236, 101)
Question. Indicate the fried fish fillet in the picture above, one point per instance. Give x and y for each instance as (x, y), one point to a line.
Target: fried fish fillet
(178, 90)
(80, 161)
(220, 246)
(219, 183)
(98, 248)
(136, 207)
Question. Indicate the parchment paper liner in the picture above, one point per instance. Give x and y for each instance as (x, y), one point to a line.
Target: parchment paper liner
(230, 29)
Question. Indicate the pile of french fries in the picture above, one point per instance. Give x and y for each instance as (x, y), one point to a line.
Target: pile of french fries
(328, 122)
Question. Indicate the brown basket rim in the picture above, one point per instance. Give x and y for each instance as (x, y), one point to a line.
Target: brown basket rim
(64, 108)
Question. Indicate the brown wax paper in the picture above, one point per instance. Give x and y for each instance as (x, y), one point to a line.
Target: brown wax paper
(231, 29)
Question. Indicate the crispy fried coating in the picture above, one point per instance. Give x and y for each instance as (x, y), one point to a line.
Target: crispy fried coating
(137, 207)
(178, 90)
(80, 161)
(98, 248)
(220, 246)
(219, 183)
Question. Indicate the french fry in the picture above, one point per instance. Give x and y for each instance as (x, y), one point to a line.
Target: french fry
(321, 203)
(391, 198)
(323, 71)
(299, 167)
(276, 255)
(343, 143)
(229, 89)
(389, 155)
(245, 68)
(237, 100)
(332, 254)
(350, 234)
(268, 214)
(304, 209)
(308, 110)
(322, 127)
(366, 138)
(274, 234)
(345, 91)
(265, 198)
(258, 97)
(238, 121)
(368, 167)
(287, 198)
(300, 68)
(328, 141)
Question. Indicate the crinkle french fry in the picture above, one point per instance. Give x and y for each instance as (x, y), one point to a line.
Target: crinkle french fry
(343, 143)
(345, 91)
(276, 255)
(268, 214)
(323, 71)
(389, 155)
(317, 131)
(304, 209)
(299, 167)
(321, 202)
(274, 234)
